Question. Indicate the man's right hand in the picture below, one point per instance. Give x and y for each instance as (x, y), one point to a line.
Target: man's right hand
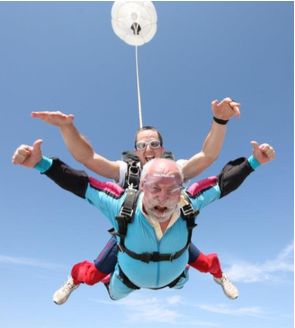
(226, 109)
(55, 118)
(28, 156)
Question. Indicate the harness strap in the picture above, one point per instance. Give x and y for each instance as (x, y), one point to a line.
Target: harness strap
(131, 285)
(126, 216)
(189, 214)
(132, 176)
(126, 280)
(154, 257)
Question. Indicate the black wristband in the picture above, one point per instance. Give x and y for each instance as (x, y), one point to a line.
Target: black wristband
(217, 120)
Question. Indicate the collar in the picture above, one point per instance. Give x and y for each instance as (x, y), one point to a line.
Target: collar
(156, 225)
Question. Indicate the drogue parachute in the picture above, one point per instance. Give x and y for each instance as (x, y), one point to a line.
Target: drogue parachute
(135, 22)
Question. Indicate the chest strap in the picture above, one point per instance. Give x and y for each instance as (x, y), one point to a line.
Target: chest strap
(125, 217)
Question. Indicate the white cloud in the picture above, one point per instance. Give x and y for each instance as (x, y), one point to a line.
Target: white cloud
(30, 262)
(156, 310)
(151, 309)
(244, 311)
(138, 308)
(267, 271)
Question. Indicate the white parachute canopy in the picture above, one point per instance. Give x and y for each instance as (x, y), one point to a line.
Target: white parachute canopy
(135, 22)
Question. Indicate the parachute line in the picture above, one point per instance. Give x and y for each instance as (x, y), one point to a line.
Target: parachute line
(137, 79)
(135, 22)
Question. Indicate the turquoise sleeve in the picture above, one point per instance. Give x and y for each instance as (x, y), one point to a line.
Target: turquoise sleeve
(206, 197)
(253, 162)
(44, 165)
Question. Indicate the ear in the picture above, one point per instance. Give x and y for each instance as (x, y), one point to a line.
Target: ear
(141, 185)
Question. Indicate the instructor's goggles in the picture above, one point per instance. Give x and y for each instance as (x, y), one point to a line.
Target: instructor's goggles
(154, 144)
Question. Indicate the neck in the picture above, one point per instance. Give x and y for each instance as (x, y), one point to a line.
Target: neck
(163, 225)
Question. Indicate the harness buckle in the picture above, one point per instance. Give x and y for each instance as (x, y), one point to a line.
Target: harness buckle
(145, 257)
(187, 210)
(125, 211)
(156, 256)
(133, 175)
(172, 257)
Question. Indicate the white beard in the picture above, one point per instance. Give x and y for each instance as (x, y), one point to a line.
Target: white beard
(159, 216)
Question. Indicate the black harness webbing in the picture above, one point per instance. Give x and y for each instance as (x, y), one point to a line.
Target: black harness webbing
(132, 176)
(126, 216)
(131, 285)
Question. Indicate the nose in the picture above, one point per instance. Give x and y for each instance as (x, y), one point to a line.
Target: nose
(162, 196)
(148, 147)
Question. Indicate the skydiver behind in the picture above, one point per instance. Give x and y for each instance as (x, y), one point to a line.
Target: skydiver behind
(148, 145)
(156, 212)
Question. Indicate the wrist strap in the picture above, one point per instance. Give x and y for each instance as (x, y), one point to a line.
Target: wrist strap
(217, 120)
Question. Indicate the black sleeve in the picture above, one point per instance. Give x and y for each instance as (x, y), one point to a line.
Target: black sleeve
(68, 178)
(233, 175)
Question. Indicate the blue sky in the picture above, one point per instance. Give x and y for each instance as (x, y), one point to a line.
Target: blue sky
(65, 56)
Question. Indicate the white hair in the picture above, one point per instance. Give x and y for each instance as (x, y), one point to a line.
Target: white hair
(148, 165)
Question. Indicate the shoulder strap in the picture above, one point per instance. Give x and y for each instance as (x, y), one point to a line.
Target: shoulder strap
(126, 216)
(132, 176)
(188, 213)
(126, 213)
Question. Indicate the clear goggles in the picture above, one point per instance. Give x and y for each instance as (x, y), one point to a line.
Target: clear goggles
(155, 189)
(152, 185)
(154, 144)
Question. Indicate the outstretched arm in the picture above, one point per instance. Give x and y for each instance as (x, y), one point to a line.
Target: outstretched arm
(62, 174)
(106, 196)
(231, 177)
(79, 146)
(222, 112)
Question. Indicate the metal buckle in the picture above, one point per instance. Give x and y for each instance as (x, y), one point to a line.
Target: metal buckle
(135, 174)
(126, 211)
(187, 210)
(172, 257)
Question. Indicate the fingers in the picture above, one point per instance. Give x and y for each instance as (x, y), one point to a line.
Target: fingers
(214, 105)
(21, 154)
(54, 118)
(268, 151)
(235, 107)
(214, 102)
(263, 153)
(52, 114)
(226, 109)
(236, 110)
(42, 115)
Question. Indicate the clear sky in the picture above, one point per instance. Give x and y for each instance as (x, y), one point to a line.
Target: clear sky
(65, 56)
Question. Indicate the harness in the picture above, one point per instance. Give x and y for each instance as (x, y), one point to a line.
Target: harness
(126, 217)
(132, 176)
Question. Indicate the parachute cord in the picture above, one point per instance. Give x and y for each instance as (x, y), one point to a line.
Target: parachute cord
(138, 88)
